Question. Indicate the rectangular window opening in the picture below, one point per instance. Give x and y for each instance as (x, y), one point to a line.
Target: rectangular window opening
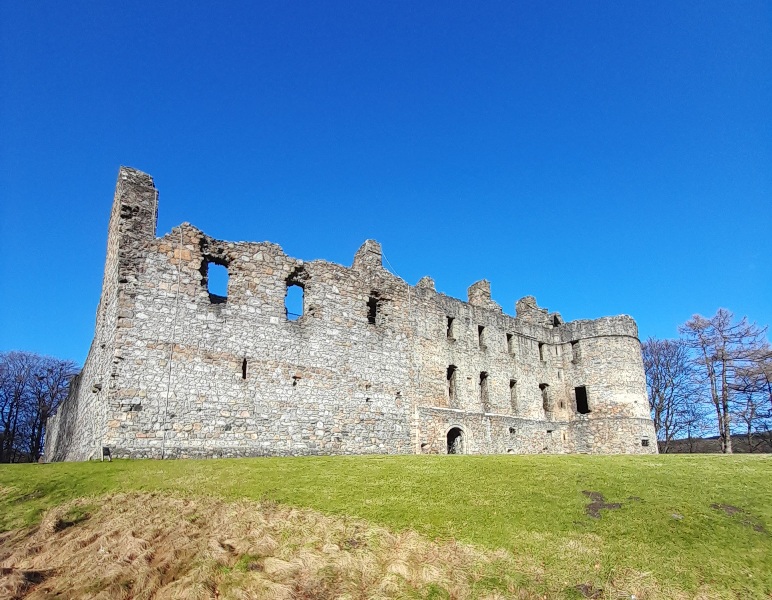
(294, 301)
(575, 351)
(484, 391)
(372, 308)
(511, 344)
(451, 380)
(480, 336)
(513, 394)
(541, 351)
(244, 369)
(216, 276)
(450, 328)
(582, 406)
(545, 397)
(644, 442)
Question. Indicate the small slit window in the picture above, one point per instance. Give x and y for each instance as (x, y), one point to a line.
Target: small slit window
(244, 369)
(484, 391)
(451, 383)
(513, 394)
(541, 351)
(511, 344)
(481, 336)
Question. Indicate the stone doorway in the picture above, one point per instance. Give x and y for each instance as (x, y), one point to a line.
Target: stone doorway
(456, 441)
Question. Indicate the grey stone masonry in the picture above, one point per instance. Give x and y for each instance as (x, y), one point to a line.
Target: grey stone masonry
(372, 365)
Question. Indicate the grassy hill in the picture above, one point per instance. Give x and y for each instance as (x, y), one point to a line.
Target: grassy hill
(685, 526)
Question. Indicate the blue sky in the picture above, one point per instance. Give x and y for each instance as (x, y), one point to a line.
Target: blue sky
(605, 157)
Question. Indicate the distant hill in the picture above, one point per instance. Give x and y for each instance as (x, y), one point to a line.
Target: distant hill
(762, 444)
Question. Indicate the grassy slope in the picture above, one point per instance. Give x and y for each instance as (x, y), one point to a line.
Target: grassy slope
(530, 505)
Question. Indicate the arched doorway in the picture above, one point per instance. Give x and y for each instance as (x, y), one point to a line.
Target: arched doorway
(455, 441)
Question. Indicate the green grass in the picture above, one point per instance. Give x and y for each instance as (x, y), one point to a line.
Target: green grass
(665, 531)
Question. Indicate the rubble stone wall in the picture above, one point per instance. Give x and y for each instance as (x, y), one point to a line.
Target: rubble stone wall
(373, 365)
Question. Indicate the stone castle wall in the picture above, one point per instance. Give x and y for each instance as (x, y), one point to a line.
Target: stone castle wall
(373, 365)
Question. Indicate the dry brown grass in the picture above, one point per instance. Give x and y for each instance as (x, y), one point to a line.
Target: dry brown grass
(143, 546)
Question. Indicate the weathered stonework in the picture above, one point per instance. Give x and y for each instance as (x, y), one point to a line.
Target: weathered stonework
(373, 365)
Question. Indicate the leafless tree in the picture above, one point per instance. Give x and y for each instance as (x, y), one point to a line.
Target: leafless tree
(722, 351)
(671, 386)
(31, 389)
(754, 408)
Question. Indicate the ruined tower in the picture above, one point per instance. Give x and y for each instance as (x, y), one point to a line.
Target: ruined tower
(372, 365)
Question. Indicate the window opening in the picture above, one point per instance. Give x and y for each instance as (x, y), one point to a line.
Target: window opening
(294, 301)
(372, 308)
(582, 406)
(510, 343)
(555, 321)
(484, 390)
(216, 281)
(644, 442)
(451, 376)
(541, 351)
(449, 333)
(455, 441)
(480, 331)
(545, 397)
(513, 394)
(575, 351)
(244, 369)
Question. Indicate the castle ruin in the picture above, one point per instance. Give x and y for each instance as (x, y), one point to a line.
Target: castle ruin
(372, 365)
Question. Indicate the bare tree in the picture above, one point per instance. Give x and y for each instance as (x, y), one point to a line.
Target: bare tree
(754, 408)
(722, 351)
(670, 382)
(15, 369)
(31, 389)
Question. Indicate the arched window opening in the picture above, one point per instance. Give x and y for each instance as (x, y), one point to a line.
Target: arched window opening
(294, 301)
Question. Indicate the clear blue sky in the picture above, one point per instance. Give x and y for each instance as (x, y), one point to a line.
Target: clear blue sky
(605, 157)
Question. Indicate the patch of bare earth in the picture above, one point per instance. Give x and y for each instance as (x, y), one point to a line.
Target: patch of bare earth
(747, 519)
(598, 503)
